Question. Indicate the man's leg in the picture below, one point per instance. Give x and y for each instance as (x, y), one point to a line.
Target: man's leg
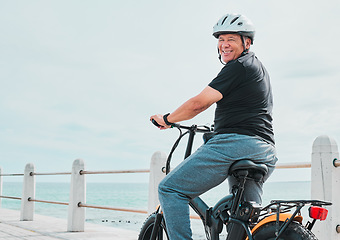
(205, 169)
(194, 176)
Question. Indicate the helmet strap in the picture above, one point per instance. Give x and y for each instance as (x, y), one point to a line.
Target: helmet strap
(220, 57)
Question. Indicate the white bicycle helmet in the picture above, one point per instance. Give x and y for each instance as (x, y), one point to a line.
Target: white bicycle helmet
(234, 23)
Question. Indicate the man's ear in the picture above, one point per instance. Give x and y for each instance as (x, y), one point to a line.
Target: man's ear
(248, 43)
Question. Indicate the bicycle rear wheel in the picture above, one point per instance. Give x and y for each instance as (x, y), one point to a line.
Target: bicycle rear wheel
(146, 230)
(294, 231)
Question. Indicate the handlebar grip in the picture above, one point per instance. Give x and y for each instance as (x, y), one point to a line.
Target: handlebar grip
(155, 123)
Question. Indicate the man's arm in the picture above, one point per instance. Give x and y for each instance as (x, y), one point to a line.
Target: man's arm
(191, 108)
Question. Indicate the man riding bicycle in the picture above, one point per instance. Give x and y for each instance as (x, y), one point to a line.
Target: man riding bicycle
(243, 126)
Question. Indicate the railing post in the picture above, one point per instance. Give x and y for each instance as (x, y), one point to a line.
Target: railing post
(0, 185)
(28, 191)
(325, 185)
(76, 214)
(157, 173)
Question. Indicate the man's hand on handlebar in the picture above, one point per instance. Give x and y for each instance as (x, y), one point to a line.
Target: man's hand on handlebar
(158, 121)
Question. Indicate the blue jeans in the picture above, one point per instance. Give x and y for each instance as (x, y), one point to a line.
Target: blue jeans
(205, 169)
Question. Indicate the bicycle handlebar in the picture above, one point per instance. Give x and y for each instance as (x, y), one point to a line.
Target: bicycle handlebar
(194, 128)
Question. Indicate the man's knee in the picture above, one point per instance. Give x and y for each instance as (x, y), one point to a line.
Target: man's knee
(162, 188)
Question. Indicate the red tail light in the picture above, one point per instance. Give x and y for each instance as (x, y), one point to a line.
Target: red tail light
(318, 213)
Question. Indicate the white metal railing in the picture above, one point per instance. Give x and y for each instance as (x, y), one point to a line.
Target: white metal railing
(77, 202)
(325, 177)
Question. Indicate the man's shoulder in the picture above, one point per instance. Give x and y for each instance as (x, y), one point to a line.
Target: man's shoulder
(234, 65)
(250, 60)
(250, 56)
(240, 65)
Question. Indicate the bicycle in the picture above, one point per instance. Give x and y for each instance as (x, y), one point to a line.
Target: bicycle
(243, 220)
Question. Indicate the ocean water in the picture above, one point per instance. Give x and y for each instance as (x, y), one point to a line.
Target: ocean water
(133, 196)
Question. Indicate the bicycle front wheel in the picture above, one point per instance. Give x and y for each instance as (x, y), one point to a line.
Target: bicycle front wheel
(294, 231)
(146, 230)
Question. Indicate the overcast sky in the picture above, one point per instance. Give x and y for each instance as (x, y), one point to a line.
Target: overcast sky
(79, 79)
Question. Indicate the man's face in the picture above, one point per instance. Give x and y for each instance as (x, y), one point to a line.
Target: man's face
(230, 46)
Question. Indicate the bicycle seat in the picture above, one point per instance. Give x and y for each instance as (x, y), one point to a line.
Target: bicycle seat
(248, 168)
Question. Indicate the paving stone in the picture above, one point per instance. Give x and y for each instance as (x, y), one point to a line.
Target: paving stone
(49, 228)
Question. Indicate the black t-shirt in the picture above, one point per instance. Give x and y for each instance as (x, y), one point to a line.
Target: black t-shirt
(246, 106)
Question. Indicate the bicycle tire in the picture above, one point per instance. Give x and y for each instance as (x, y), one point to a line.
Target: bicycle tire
(146, 230)
(294, 231)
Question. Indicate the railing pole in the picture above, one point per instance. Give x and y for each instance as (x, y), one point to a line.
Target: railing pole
(28, 191)
(0, 185)
(325, 185)
(157, 168)
(76, 214)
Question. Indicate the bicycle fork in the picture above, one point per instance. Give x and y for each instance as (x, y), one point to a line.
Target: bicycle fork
(156, 226)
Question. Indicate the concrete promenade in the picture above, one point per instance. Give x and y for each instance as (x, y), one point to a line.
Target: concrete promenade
(49, 228)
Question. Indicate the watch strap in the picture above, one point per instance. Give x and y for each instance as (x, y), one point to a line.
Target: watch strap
(165, 118)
